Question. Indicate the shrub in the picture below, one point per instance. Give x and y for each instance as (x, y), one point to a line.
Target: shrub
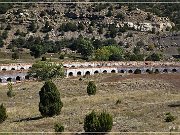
(137, 71)
(3, 115)
(169, 117)
(94, 122)
(118, 101)
(58, 127)
(8, 27)
(15, 56)
(10, 90)
(61, 56)
(91, 88)
(50, 102)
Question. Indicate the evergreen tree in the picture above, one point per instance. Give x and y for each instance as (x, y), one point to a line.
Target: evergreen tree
(91, 88)
(94, 122)
(3, 115)
(50, 102)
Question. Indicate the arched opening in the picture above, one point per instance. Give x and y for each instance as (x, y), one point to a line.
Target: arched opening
(105, 71)
(79, 73)
(18, 78)
(70, 73)
(72, 66)
(3, 69)
(147, 70)
(130, 71)
(22, 68)
(174, 70)
(89, 65)
(96, 72)
(30, 67)
(156, 71)
(122, 71)
(87, 73)
(113, 71)
(137, 71)
(0, 80)
(27, 77)
(9, 79)
(165, 70)
(12, 68)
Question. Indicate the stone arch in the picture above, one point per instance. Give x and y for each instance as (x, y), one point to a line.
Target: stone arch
(72, 66)
(165, 70)
(130, 71)
(30, 67)
(113, 71)
(70, 73)
(4, 69)
(13, 69)
(96, 72)
(147, 70)
(18, 78)
(27, 77)
(156, 71)
(122, 71)
(0, 80)
(137, 71)
(9, 79)
(22, 68)
(87, 73)
(174, 70)
(105, 71)
(79, 73)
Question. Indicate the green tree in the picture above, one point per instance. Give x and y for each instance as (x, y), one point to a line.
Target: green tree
(1, 42)
(50, 103)
(37, 50)
(3, 115)
(5, 34)
(100, 30)
(91, 122)
(94, 122)
(15, 55)
(58, 127)
(91, 88)
(106, 122)
(85, 47)
(81, 26)
(154, 57)
(102, 54)
(47, 27)
(10, 92)
(33, 27)
(44, 70)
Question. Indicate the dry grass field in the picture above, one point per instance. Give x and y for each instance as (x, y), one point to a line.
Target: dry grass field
(143, 102)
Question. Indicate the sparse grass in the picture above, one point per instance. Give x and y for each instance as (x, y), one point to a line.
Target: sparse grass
(145, 101)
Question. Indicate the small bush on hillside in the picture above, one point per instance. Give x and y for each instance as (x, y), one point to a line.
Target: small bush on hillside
(10, 92)
(169, 117)
(91, 88)
(61, 56)
(118, 101)
(58, 127)
(15, 55)
(3, 115)
(94, 122)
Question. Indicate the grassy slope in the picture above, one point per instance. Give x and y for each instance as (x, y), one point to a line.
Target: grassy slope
(144, 102)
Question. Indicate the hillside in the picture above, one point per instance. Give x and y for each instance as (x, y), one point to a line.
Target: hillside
(55, 26)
